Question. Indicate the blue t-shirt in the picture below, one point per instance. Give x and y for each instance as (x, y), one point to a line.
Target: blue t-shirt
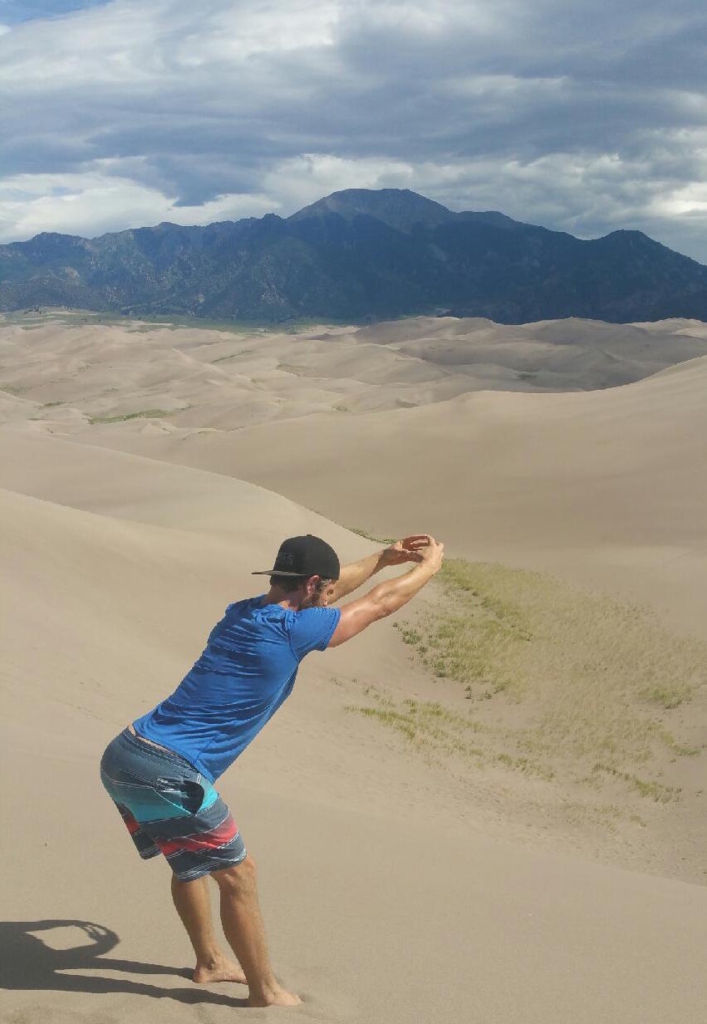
(246, 672)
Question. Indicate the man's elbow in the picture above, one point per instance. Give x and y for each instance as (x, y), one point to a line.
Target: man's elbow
(384, 607)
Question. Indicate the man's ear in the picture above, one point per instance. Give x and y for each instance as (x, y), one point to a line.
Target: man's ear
(311, 585)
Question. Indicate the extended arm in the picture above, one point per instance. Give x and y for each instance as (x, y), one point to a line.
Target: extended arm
(389, 596)
(356, 573)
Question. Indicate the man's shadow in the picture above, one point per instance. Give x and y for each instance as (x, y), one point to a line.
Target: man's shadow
(28, 963)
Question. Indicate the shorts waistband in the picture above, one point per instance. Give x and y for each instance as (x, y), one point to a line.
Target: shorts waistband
(137, 744)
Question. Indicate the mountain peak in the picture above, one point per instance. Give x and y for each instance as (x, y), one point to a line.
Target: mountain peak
(399, 208)
(358, 255)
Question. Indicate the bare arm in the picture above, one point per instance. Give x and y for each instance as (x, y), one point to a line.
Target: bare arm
(389, 596)
(356, 573)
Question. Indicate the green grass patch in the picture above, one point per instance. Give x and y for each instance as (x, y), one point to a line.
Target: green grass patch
(147, 320)
(369, 536)
(646, 788)
(669, 695)
(175, 321)
(600, 675)
(559, 681)
(425, 723)
(476, 636)
(233, 355)
(430, 726)
(146, 414)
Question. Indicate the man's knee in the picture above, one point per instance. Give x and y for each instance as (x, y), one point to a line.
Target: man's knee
(238, 878)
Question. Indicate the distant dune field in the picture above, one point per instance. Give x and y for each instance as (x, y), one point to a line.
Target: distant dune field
(516, 760)
(453, 424)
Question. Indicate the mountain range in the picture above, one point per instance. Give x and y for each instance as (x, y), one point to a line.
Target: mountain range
(354, 256)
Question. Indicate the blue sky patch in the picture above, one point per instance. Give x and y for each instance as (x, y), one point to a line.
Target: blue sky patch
(13, 12)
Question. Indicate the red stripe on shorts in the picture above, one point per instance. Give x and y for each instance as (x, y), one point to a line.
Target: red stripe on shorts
(216, 837)
(132, 825)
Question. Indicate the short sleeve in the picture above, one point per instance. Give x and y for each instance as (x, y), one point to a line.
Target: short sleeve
(312, 629)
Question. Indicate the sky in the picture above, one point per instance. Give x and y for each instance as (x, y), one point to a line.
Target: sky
(586, 117)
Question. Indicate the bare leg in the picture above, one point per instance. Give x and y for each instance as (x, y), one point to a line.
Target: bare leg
(243, 927)
(194, 908)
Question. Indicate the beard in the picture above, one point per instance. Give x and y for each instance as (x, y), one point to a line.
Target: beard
(317, 600)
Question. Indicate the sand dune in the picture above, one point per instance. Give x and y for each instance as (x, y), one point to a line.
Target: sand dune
(398, 881)
(210, 379)
(332, 812)
(605, 487)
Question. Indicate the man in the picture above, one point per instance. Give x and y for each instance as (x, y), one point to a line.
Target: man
(160, 771)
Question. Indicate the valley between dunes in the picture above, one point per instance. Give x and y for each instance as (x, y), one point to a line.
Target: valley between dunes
(491, 808)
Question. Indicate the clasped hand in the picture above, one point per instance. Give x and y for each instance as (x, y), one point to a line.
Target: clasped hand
(409, 549)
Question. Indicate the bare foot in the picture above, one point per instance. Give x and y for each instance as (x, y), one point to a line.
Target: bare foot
(274, 997)
(220, 970)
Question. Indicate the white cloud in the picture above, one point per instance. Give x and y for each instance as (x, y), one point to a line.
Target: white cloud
(91, 204)
(688, 201)
(303, 179)
(143, 110)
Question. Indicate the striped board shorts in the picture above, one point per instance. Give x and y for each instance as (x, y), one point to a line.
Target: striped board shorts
(170, 808)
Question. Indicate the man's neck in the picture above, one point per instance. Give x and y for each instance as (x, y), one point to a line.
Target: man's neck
(290, 602)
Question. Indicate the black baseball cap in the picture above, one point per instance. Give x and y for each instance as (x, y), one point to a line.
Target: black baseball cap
(305, 556)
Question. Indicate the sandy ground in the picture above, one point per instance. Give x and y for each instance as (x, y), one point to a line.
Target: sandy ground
(395, 885)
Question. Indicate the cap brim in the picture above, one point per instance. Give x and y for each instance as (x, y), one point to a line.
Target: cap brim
(277, 572)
